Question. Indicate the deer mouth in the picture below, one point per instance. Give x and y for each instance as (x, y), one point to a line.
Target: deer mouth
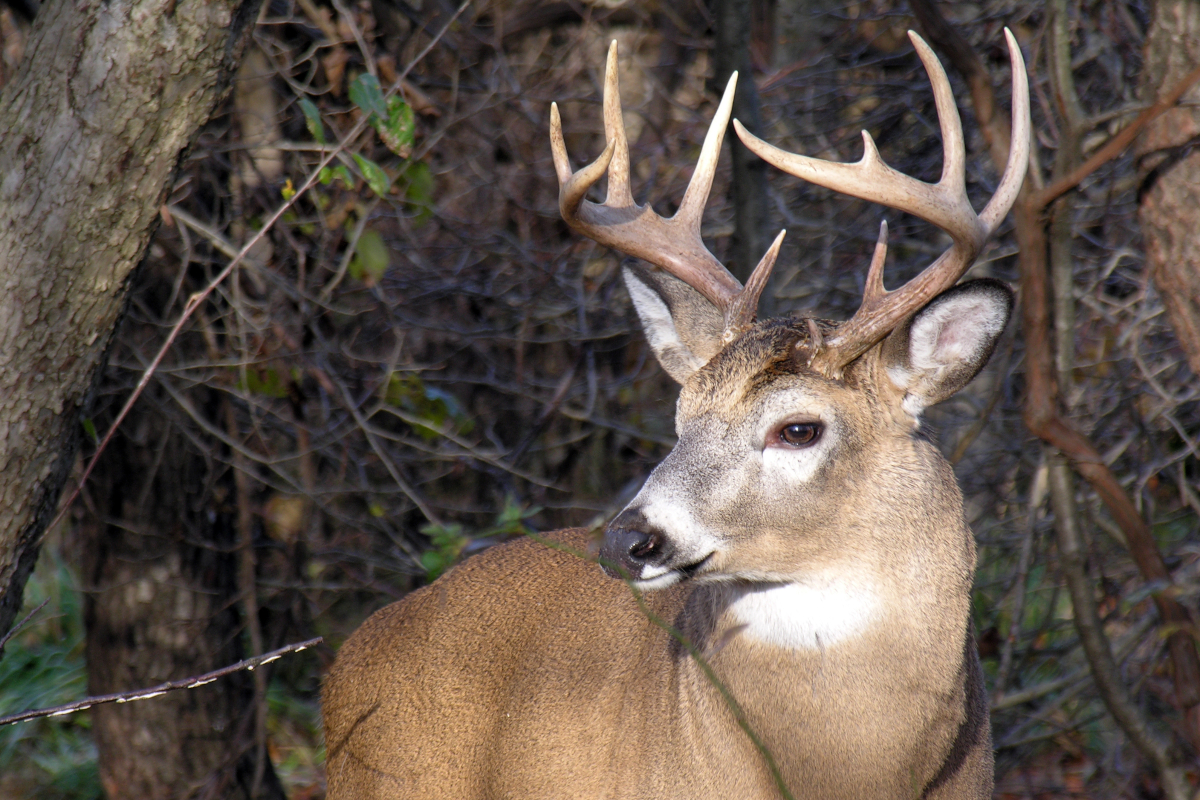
(661, 577)
(692, 570)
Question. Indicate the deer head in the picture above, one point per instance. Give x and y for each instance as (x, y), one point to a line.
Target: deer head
(795, 451)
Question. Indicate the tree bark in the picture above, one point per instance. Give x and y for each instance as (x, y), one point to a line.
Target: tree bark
(1169, 209)
(161, 567)
(107, 98)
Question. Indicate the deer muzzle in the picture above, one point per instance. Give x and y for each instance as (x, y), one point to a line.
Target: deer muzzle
(631, 544)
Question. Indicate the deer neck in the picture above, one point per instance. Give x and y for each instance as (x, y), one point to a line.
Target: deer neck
(877, 650)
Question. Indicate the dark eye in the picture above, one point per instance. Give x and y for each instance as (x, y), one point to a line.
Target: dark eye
(800, 434)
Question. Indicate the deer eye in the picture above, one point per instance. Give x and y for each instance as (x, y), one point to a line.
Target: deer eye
(800, 434)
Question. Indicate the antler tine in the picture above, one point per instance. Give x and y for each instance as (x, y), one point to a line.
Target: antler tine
(694, 199)
(954, 147)
(573, 186)
(673, 244)
(944, 204)
(740, 314)
(1018, 152)
(873, 290)
(619, 191)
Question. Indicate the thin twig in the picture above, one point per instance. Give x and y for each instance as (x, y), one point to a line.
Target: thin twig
(25, 621)
(247, 583)
(1105, 672)
(393, 470)
(1037, 496)
(192, 682)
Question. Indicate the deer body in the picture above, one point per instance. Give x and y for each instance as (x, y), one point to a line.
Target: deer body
(803, 536)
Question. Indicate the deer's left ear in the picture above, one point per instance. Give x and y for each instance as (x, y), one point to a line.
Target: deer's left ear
(947, 342)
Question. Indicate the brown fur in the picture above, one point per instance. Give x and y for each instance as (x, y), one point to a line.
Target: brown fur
(438, 696)
(526, 673)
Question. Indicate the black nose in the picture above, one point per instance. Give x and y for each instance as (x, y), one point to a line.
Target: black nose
(631, 542)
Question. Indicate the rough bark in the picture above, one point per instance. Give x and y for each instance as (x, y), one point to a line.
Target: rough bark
(731, 51)
(162, 569)
(107, 98)
(1169, 209)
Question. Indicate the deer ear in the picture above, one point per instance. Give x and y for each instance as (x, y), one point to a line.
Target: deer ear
(947, 342)
(684, 329)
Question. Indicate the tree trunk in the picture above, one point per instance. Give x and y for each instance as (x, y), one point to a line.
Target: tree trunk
(162, 573)
(107, 98)
(1170, 199)
(731, 51)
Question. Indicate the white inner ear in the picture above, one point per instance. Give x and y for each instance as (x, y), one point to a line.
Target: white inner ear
(947, 344)
(954, 332)
(659, 326)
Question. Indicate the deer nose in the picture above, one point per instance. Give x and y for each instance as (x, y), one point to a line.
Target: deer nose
(630, 543)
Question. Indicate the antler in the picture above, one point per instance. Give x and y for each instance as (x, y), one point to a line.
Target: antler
(673, 244)
(944, 204)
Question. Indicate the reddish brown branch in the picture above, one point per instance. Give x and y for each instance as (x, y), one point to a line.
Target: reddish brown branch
(1116, 145)
(1041, 406)
(1043, 419)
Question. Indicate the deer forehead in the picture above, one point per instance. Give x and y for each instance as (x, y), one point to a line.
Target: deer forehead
(743, 369)
(762, 378)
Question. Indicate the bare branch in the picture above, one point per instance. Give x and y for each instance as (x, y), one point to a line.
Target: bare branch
(192, 682)
(24, 621)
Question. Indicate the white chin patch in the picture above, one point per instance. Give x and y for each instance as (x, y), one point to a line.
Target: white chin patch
(813, 614)
(658, 582)
(651, 571)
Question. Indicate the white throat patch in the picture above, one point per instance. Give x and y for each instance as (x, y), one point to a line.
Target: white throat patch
(812, 614)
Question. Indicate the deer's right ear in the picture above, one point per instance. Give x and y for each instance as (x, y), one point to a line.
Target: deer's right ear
(684, 329)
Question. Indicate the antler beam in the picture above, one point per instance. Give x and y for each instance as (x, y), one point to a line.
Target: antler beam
(673, 244)
(944, 204)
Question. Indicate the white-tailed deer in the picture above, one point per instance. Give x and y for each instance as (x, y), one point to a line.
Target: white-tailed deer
(802, 535)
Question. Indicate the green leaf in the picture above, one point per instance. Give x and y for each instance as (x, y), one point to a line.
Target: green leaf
(89, 428)
(430, 404)
(312, 118)
(397, 128)
(365, 93)
(268, 383)
(377, 179)
(447, 543)
(371, 257)
(417, 181)
(419, 190)
(328, 174)
(511, 519)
